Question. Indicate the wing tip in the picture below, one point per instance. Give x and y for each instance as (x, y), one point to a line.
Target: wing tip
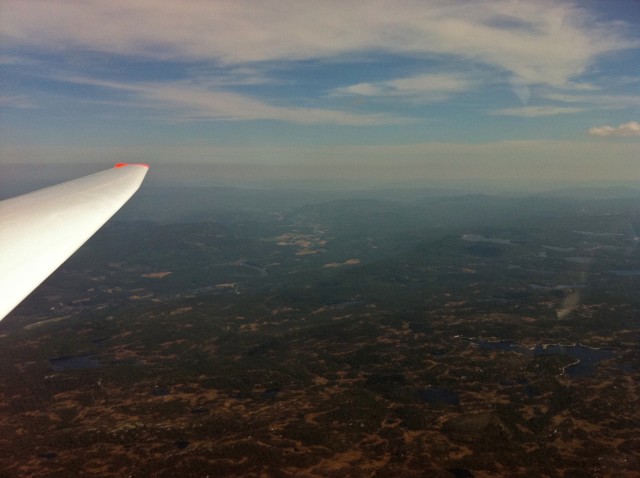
(122, 165)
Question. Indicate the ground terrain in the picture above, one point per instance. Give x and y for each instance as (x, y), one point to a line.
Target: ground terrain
(447, 336)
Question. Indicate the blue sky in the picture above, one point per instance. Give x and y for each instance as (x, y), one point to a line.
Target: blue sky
(379, 90)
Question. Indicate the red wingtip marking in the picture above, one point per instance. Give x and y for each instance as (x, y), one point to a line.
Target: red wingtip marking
(121, 165)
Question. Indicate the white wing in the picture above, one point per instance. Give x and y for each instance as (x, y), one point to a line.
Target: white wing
(40, 230)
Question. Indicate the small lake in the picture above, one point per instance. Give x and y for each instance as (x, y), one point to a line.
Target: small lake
(626, 272)
(159, 391)
(481, 238)
(579, 259)
(270, 393)
(261, 270)
(559, 249)
(436, 395)
(587, 357)
(557, 287)
(599, 234)
(70, 362)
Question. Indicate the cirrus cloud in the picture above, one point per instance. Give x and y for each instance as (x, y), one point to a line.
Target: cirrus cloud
(193, 102)
(426, 87)
(545, 42)
(536, 111)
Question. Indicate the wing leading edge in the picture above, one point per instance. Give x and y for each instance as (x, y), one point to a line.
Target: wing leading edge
(40, 230)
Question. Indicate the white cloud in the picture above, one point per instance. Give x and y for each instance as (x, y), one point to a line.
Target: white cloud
(631, 128)
(191, 102)
(427, 87)
(545, 42)
(536, 111)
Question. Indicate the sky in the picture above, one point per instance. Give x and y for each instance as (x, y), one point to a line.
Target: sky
(379, 91)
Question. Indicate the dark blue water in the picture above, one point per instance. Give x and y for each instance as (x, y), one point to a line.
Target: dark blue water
(159, 391)
(626, 272)
(588, 357)
(460, 473)
(71, 362)
(48, 455)
(436, 395)
(270, 393)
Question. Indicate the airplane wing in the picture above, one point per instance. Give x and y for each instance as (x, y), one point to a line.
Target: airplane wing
(40, 230)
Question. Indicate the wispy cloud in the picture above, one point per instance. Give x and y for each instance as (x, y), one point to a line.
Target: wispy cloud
(14, 60)
(232, 76)
(193, 102)
(334, 62)
(573, 98)
(535, 111)
(18, 101)
(631, 128)
(595, 101)
(542, 42)
(421, 88)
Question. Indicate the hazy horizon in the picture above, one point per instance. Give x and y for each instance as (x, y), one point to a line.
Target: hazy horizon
(26, 177)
